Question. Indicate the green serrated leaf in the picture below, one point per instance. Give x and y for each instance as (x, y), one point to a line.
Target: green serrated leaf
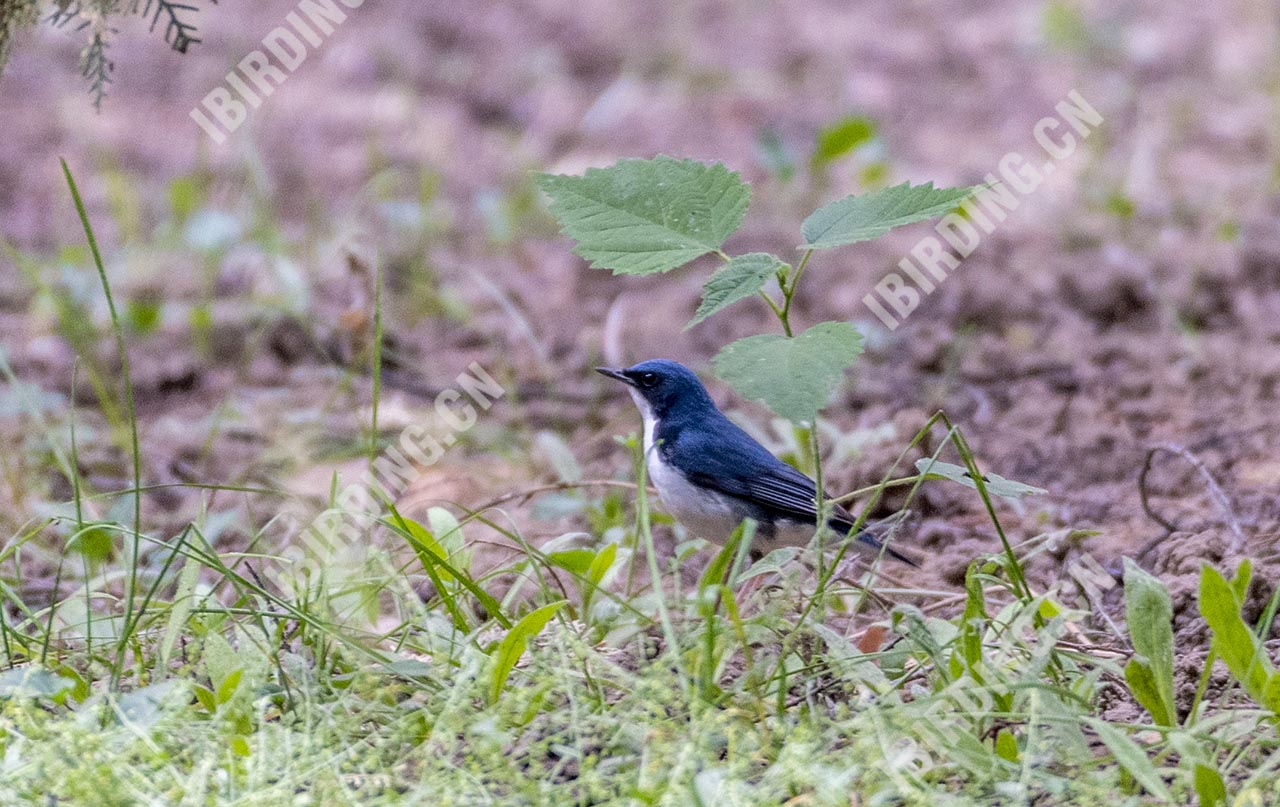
(1150, 616)
(996, 484)
(793, 376)
(737, 280)
(1132, 758)
(861, 218)
(513, 645)
(638, 217)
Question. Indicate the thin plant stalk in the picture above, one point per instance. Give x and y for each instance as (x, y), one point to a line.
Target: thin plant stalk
(131, 585)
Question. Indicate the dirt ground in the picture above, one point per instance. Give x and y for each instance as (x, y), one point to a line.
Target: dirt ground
(1131, 302)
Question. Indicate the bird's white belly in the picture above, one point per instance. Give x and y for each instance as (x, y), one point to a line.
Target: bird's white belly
(704, 513)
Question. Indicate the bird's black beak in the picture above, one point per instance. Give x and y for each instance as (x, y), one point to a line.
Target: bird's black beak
(616, 374)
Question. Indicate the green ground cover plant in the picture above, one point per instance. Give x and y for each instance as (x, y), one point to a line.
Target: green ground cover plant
(592, 672)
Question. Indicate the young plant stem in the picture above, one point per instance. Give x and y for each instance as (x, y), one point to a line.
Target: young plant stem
(892, 483)
(789, 291)
(820, 504)
(1016, 576)
(777, 311)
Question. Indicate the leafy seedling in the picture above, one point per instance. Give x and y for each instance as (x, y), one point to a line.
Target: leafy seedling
(647, 216)
(513, 645)
(1149, 673)
(1221, 602)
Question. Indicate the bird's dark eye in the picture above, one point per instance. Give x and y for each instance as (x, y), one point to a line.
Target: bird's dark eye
(648, 379)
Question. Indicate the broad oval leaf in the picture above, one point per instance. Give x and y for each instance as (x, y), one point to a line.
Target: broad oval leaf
(793, 376)
(1149, 613)
(513, 645)
(737, 280)
(1233, 639)
(638, 217)
(1210, 787)
(600, 567)
(1142, 683)
(602, 563)
(1132, 758)
(871, 215)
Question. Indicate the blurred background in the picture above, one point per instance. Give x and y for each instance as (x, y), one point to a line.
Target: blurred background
(1131, 300)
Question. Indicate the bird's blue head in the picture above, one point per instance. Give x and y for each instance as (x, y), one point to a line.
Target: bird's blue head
(666, 386)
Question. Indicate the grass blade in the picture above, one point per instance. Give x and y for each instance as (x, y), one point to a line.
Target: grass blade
(132, 576)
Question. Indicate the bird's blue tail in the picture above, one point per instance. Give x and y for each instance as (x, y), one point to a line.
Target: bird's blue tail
(873, 545)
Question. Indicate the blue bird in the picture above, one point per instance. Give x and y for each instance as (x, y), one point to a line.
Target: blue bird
(711, 475)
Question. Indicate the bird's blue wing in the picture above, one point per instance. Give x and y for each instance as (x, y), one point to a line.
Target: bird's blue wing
(727, 459)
